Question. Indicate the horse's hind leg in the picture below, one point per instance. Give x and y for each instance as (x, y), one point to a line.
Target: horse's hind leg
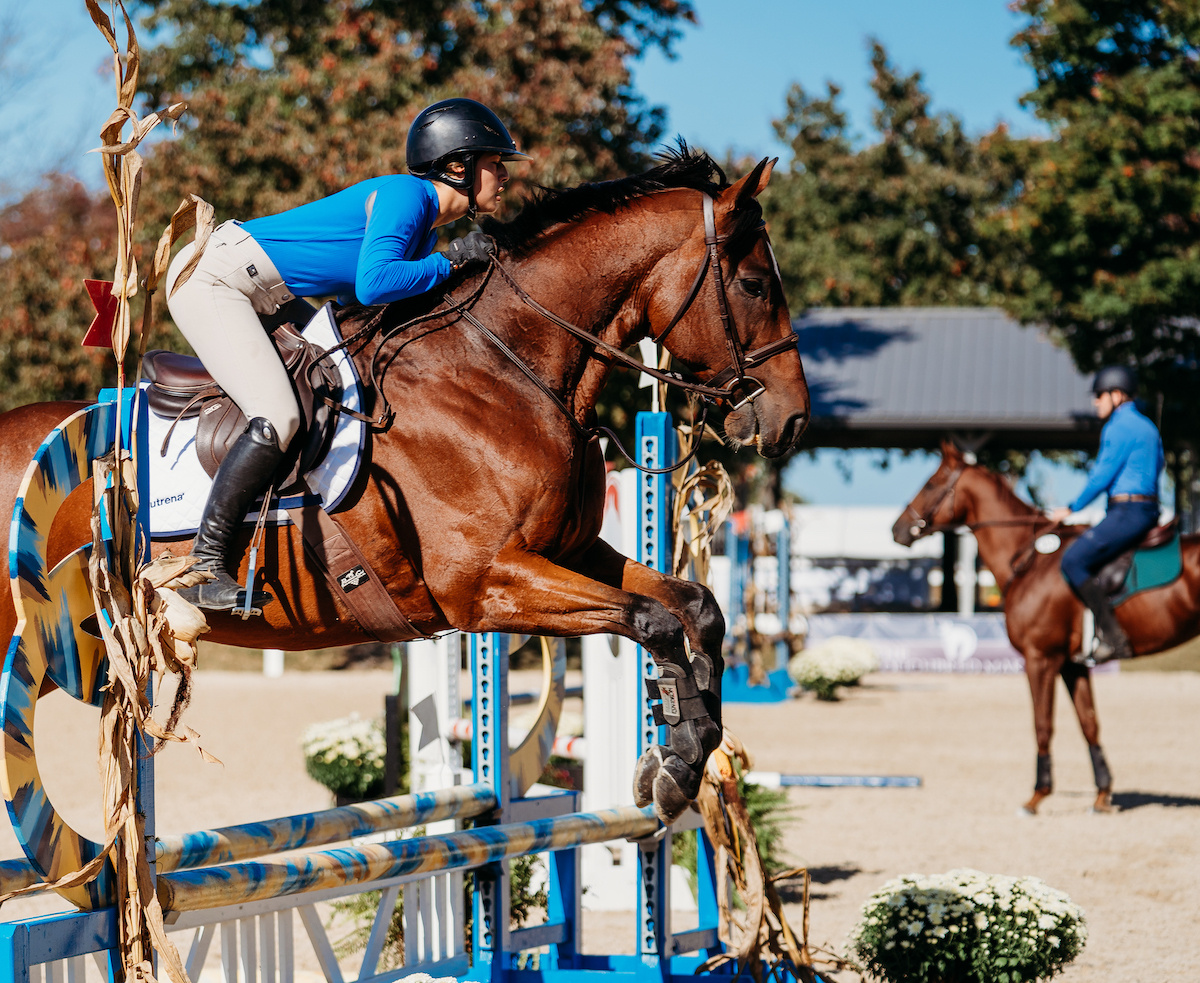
(1079, 685)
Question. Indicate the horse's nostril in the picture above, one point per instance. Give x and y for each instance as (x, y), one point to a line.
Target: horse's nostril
(796, 427)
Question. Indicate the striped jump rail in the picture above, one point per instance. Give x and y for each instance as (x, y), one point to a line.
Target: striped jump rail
(232, 843)
(239, 883)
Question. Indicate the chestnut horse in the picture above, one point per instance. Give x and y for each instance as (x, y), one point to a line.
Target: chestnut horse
(1043, 617)
(490, 483)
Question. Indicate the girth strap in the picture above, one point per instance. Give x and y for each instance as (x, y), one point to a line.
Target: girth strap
(351, 577)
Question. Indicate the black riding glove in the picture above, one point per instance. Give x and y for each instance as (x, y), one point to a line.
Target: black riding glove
(474, 247)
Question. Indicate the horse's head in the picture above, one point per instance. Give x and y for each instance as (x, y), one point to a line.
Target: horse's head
(936, 503)
(728, 322)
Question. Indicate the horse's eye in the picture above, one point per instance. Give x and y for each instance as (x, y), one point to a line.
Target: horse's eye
(752, 287)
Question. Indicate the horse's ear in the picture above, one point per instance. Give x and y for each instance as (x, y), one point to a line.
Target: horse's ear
(950, 450)
(752, 184)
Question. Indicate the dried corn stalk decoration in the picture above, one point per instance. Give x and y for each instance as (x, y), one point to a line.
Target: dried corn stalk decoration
(147, 628)
(703, 501)
(758, 940)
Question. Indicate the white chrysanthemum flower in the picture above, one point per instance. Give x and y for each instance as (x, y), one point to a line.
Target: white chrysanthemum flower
(839, 660)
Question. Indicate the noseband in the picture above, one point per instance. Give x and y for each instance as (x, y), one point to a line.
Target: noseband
(725, 386)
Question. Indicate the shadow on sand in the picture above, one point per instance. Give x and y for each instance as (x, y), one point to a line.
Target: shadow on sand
(792, 891)
(1135, 800)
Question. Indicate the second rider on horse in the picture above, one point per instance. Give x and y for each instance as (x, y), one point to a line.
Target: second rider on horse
(1128, 468)
(372, 242)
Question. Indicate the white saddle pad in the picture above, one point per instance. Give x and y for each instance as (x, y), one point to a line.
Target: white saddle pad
(179, 485)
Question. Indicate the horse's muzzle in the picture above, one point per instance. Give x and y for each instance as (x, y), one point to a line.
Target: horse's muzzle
(751, 423)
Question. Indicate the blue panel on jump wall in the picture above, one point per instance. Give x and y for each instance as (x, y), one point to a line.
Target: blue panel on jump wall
(735, 687)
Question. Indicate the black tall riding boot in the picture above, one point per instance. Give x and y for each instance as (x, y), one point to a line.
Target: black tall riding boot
(1111, 640)
(241, 478)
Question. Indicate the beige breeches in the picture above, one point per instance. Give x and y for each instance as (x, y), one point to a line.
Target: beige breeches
(217, 311)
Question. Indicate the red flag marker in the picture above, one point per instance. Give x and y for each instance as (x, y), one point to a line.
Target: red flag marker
(99, 333)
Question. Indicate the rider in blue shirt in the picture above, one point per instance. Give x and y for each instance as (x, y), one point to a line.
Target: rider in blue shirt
(372, 242)
(1127, 468)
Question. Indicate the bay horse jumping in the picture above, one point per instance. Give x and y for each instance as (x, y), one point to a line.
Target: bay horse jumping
(1043, 616)
(489, 484)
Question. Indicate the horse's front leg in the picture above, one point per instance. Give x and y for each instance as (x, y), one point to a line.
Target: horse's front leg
(1042, 672)
(689, 689)
(526, 593)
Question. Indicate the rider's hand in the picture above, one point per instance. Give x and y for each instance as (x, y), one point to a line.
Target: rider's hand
(474, 247)
(1060, 514)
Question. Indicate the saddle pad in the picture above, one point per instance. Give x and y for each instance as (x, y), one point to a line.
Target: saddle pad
(1152, 568)
(179, 485)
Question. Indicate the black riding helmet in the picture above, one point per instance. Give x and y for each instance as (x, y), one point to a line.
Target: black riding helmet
(457, 130)
(1115, 377)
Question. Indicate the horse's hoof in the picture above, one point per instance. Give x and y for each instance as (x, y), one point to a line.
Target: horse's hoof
(644, 773)
(1104, 804)
(670, 801)
(675, 788)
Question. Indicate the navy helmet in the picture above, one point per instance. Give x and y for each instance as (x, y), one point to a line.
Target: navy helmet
(457, 130)
(1113, 377)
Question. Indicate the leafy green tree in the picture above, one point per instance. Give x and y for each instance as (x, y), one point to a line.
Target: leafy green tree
(1108, 223)
(291, 100)
(294, 99)
(896, 222)
(53, 239)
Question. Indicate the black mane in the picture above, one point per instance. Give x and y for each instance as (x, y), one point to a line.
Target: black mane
(680, 168)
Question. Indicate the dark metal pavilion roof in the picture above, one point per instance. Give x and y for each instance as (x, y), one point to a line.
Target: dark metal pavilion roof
(909, 376)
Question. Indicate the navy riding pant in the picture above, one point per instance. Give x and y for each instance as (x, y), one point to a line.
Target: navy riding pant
(1120, 530)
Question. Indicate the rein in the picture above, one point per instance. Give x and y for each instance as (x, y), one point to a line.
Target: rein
(722, 386)
(725, 386)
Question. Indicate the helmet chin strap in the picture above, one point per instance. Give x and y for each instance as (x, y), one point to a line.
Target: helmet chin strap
(469, 179)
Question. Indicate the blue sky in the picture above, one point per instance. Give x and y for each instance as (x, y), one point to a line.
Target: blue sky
(728, 82)
(734, 69)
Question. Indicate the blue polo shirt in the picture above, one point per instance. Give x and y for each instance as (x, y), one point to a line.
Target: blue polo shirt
(1130, 459)
(330, 246)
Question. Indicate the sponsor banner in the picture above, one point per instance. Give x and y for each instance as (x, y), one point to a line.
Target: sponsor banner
(926, 642)
(932, 642)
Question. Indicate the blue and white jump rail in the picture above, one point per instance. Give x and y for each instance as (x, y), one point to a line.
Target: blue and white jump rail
(232, 881)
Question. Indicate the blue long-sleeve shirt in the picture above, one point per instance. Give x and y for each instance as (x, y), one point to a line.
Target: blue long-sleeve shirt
(1130, 459)
(330, 246)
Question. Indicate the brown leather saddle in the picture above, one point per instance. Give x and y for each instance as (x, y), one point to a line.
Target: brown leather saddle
(181, 389)
(1112, 575)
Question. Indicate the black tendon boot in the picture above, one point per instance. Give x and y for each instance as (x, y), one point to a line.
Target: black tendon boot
(1111, 640)
(241, 478)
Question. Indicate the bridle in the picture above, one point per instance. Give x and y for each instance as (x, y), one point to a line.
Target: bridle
(725, 386)
(922, 524)
(1021, 560)
(730, 385)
